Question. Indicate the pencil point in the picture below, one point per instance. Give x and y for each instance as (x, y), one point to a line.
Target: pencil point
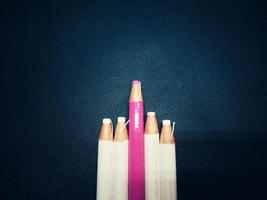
(121, 132)
(151, 113)
(151, 126)
(136, 81)
(106, 130)
(136, 92)
(106, 121)
(166, 122)
(121, 119)
(166, 133)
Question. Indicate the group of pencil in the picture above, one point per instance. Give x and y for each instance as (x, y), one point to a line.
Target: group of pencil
(139, 166)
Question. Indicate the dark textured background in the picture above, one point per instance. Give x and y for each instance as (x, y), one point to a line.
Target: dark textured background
(65, 66)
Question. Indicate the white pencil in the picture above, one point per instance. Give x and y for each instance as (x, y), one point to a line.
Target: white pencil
(104, 162)
(120, 161)
(168, 183)
(152, 180)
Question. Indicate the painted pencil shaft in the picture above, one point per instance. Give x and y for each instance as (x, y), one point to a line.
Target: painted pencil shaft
(136, 179)
(152, 176)
(167, 172)
(168, 183)
(120, 191)
(120, 150)
(104, 162)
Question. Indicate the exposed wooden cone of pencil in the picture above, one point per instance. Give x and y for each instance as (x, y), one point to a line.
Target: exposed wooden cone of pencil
(151, 124)
(136, 94)
(121, 133)
(166, 136)
(106, 130)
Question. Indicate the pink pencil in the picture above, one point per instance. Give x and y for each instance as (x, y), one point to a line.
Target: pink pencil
(136, 179)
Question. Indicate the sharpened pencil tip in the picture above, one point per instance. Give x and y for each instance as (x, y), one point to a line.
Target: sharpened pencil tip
(106, 130)
(121, 133)
(136, 92)
(166, 136)
(151, 126)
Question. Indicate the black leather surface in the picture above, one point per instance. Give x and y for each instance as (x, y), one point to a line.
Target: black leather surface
(65, 66)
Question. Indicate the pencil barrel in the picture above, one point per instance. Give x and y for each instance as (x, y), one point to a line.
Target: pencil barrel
(136, 151)
(104, 170)
(168, 183)
(120, 176)
(152, 170)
